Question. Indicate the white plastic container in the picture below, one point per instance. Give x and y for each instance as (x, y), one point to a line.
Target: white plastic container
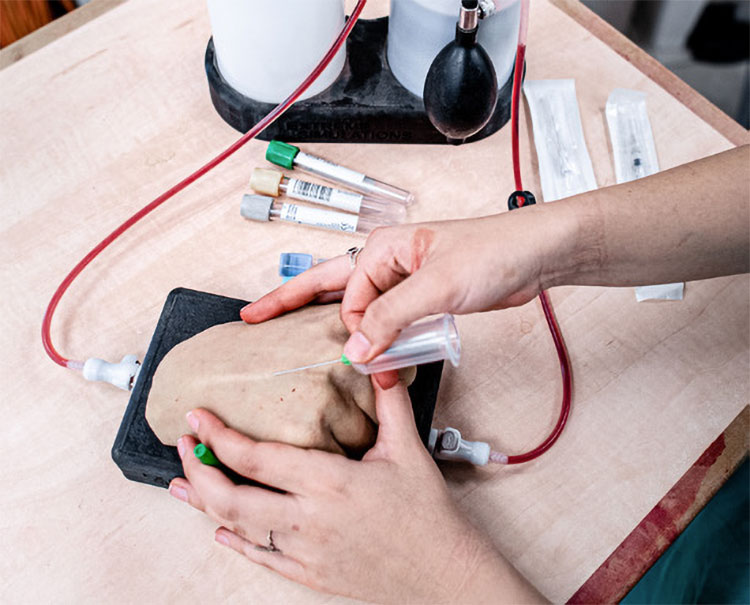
(265, 48)
(419, 29)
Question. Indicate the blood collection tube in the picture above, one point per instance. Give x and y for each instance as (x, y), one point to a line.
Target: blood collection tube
(272, 182)
(264, 208)
(289, 156)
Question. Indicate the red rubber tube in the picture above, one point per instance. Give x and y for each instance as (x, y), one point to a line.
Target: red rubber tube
(549, 315)
(251, 134)
(514, 103)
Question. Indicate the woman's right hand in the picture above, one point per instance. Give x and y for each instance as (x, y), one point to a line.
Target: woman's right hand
(407, 272)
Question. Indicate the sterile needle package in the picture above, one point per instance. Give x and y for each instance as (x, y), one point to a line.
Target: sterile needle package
(630, 132)
(635, 157)
(564, 164)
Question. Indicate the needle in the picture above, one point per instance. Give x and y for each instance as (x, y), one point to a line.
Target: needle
(314, 365)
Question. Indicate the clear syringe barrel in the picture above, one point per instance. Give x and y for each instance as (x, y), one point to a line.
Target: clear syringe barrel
(264, 208)
(289, 156)
(420, 343)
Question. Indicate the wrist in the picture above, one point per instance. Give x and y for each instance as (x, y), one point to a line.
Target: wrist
(573, 247)
(495, 580)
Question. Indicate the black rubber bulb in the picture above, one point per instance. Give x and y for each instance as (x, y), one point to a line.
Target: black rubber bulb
(460, 92)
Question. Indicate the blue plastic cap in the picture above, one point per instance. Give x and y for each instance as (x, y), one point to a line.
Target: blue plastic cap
(294, 263)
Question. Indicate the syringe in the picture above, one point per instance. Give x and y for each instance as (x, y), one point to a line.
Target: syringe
(288, 156)
(263, 208)
(268, 181)
(423, 342)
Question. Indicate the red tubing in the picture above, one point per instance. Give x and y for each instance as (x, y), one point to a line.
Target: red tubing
(251, 134)
(549, 315)
(565, 372)
(514, 103)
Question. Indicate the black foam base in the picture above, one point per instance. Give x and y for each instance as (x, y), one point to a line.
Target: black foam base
(366, 103)
(138, 452)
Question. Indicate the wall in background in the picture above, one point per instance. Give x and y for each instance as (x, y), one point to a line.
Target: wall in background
(705, 43)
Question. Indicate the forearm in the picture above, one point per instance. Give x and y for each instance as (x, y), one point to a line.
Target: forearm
(497, 581)
(691, 222)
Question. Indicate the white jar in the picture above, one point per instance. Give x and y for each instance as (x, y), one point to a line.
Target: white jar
(265, 48)
(419, 29)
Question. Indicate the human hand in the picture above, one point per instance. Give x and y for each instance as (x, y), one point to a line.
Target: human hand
(381, 529)
(407, 272)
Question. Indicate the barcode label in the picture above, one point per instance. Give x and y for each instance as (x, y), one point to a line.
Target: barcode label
(308, 192)
(327, 196)
(317, 217)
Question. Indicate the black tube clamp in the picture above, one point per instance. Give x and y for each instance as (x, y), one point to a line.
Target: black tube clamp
(519, 199)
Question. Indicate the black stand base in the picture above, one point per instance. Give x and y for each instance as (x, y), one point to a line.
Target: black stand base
(139, 453)
(366, 104)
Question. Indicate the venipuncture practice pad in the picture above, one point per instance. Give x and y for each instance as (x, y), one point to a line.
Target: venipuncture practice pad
(139, 453)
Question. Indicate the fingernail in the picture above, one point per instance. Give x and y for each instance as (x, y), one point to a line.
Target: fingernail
(222, 539)
(180, 448)
(357, 347)
(178, 492)
(245, 312)
(192, 421)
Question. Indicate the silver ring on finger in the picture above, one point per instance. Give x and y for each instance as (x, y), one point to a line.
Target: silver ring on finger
(353, 253)
(271, 546)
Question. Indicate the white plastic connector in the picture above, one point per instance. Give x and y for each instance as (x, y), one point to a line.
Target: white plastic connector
(448, 445)
(487, 8)
(122, 375)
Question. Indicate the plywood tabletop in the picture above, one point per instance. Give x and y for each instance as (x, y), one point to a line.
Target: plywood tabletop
(98, 122)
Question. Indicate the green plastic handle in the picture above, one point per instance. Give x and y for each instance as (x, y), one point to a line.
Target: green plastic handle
(205, 455)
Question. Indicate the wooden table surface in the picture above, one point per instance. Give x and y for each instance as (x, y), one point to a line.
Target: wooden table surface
(101, 120)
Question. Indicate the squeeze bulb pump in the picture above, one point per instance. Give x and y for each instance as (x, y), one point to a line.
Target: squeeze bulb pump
(460, 92)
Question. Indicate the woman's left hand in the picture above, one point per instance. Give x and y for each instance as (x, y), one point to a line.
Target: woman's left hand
(381, 529)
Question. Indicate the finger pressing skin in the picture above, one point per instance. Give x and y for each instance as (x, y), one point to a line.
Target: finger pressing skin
(286, 467)
(386, 380)
(397, 431)
(329, 276)
(202, 477)
(248, 510)
(280, 562)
